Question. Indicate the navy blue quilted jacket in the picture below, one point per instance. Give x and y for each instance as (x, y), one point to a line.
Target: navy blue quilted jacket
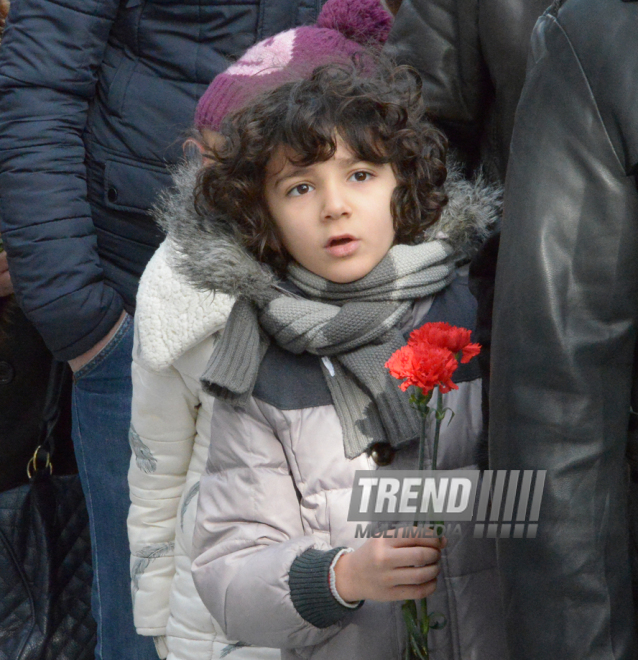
(95, 97)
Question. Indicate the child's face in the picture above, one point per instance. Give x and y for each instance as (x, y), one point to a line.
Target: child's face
(333, 217)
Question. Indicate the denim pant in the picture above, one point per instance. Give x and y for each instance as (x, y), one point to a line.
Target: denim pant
(101, 418)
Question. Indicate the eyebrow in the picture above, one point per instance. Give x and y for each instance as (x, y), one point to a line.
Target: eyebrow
(301, 171)
(286, 173)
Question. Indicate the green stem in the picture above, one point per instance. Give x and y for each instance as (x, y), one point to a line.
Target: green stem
(417, 646)
(437, 429)
(418, 622)
(440, 415)
(424, 421)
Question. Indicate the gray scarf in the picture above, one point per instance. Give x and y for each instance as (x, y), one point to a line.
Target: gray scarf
(353, 327)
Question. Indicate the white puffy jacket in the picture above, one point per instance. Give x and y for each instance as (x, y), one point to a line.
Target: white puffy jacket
(175, 331)
(273, 508)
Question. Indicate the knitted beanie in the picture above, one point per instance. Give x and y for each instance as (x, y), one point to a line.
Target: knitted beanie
(344, 27)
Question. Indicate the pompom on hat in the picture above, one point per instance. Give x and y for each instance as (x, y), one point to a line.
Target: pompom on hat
(344, 27)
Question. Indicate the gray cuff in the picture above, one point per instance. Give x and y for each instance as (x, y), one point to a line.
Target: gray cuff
(310, 588)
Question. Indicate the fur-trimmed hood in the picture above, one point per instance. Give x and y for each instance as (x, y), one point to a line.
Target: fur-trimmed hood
(188, 287)
(209, 256)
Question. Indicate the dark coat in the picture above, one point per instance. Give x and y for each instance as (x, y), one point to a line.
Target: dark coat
(471, 55)
(95, 96)
(565, 331)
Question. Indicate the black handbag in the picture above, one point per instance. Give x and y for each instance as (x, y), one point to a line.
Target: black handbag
(45, 557)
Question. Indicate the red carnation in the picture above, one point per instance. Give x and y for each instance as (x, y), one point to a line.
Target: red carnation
(447, 336)
(425, 366)
(432, 356)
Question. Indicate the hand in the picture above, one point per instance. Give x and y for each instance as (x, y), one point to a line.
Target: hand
(4, 12)
(387, 569)
(6, 286)
(77, 363)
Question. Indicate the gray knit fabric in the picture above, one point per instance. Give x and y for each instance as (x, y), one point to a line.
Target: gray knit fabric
(355, 325)
(310, 588)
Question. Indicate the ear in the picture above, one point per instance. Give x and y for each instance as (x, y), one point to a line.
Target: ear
(193, 150)
(4, 10)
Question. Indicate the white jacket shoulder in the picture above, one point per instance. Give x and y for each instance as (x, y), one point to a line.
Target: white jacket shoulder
(171, 315)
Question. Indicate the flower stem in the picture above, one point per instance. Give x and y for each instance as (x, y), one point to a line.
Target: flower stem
(417, 619)
(424, 421)
(440, 414)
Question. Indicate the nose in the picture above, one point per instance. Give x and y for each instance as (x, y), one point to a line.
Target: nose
(335, 202)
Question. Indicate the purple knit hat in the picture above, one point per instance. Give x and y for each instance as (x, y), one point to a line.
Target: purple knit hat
(344, 27)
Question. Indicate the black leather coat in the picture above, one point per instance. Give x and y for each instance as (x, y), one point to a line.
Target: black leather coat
(471, 55)
(565, 330)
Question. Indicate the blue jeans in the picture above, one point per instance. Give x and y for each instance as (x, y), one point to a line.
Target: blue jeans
(102, 393)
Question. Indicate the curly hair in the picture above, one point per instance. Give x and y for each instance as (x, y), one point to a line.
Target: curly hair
(377, 111)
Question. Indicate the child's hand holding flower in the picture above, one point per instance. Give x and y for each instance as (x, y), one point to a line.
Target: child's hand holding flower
(388, 569)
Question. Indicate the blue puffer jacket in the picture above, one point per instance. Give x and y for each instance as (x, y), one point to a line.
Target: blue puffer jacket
(95, 97)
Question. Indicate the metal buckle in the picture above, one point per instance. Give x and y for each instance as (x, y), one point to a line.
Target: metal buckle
(32, 465)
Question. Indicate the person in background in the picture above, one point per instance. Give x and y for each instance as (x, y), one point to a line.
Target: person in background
(93, 99)
(6, 288)
(25, 363)
(564, 363)
(472, 56)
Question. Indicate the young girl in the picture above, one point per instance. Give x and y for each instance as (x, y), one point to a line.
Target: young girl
(176, 327)
(320, 213)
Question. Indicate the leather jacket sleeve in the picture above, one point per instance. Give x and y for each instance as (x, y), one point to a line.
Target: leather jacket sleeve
(440, 39)
(565, 328)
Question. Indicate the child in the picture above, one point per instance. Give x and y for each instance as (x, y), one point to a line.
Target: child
(314, 213)
(176, 329)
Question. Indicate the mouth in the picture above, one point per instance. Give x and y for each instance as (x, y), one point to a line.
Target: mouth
(342, 246)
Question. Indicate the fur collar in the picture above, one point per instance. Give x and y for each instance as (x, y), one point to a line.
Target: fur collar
(211, 259)
(188, 287)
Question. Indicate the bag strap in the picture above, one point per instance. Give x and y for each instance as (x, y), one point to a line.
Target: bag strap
(50, 415)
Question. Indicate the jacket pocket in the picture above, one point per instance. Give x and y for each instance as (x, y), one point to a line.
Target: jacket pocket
(131, 187)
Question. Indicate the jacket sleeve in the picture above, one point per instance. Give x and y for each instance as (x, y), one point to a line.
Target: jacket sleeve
(565, 328)
(249, 533)
(49, 62)
(440, 39)
(163, 427)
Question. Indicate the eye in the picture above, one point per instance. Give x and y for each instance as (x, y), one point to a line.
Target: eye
(300, 189)
(360, 176)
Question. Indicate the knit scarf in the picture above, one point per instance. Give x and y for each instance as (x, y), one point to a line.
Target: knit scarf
(353, 327)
